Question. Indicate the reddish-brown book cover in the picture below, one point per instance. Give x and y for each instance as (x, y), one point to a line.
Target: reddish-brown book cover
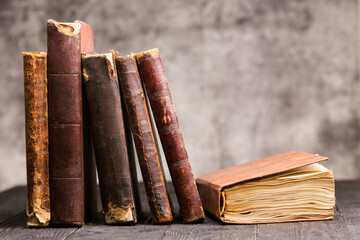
(211, 185)
(156, 85)
(90, 185)
(37, 138)
(144, 139)
(66, 142)
(104, 104)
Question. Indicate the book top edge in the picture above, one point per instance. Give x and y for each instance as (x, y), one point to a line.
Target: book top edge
(66, 28)
(34, 54)
(259, 168)
(151, 52)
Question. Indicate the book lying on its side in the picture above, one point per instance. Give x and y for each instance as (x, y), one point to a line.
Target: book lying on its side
(287, 187)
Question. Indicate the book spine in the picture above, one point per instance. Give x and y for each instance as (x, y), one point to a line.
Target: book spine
(37, 138)
(130, 150)
(90, 184)
(103, 97)
(156, 85)
(211, 197)
(144, 139)
(65, 123)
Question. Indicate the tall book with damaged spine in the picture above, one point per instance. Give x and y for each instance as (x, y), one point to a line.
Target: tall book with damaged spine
(146, 149)
(66, 142)
(286, 187)
(153, 76)
(37, 138)
(107, 128)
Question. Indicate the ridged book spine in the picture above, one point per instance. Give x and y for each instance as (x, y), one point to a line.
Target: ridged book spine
(144, 139)
(65, 124)
(37, 138)
(104, 103)
(130, 151)
(156, 85)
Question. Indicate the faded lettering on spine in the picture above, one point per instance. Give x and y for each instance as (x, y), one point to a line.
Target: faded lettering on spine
(144, 139)
(156, 85)
(103, 97)
(37, 138)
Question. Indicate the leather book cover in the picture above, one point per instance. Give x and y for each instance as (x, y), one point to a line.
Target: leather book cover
(107, 128)
(90, 184)
(144, 139)
(65, 124)
(37, 138)
(157, 89)
(130, 150)
(211, 185)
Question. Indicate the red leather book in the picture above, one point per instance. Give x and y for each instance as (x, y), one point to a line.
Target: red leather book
(286, 187)
(66, 143)
(104, 104)
(90, 184)
(144, 139)
(156, 85)
(37, 138)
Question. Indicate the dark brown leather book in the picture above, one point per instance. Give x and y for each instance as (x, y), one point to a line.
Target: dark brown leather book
(286, 187)
(104, 103)
(130, 151)
(144, 139)
(90, 184)
(37, 138)
(66, 146)
(156, 85)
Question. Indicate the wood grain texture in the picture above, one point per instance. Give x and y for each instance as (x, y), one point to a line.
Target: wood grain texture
(332, 229)
(156, 85)
(65, 123)
(37, 138)
(13, 201)
(144, 140)
(210, 185)
(348, 204)
(16, 228)
(104, 104)
(344, 226)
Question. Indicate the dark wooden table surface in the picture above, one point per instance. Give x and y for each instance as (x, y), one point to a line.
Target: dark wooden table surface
(346, 224)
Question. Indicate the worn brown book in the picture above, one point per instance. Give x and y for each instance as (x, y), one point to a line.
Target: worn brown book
(286, 187)
(144, 139)
(104, 104)
(66, 143)
(37, 138)
(156, 85)
(130, 150)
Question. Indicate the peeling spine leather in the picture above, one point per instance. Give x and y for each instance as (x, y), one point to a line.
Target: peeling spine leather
(144, 140)
(36, 131)
(103, 97)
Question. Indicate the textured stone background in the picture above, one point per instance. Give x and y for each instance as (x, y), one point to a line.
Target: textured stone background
(249, 78)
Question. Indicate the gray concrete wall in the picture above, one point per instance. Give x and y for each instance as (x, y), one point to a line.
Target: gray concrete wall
(249, 78)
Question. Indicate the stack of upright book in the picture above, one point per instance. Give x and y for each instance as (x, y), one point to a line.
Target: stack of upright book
(83, 108)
